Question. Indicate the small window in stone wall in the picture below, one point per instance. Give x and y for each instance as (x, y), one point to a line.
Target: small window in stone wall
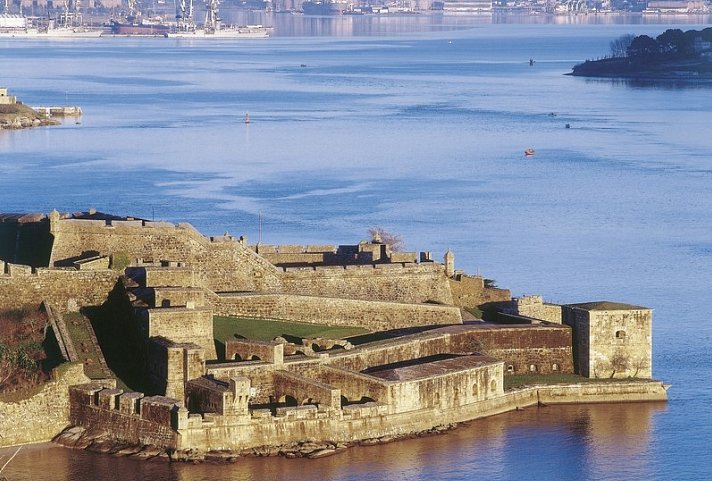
(554, 367)
(474, 390)
(493, 385)
(510, 368)
(532, 368)
(620, 334)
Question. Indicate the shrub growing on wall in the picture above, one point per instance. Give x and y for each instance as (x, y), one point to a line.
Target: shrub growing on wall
(120, 261)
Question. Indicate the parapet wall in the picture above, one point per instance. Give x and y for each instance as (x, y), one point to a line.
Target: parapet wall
(128, 417)
(470, 291)
(380, 353)
(524, 349)
(372, 315)
(535, 307)
(244, 349)
(182, 325)
(24, 286)
(362, 253)
(221, 264)
(412, 283)
(306, 391)
(42, 416)
(155, 424)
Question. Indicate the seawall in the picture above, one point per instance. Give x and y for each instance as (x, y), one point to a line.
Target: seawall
(349, 424)
(41, 417)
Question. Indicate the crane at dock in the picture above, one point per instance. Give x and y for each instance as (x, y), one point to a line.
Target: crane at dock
(184, 15)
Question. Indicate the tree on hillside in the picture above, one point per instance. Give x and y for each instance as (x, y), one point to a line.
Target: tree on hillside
(643, 46)
(619, 46)
(381, 235)
(672, 40)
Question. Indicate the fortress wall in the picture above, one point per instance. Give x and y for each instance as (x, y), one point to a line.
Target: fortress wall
(125, 417)
(392, 351)
(448, 391)
(372, 315)
(172, 297)
(370, 420)
(21, 287)
(352, 423)
(470, 291)
(416, 283)
(25, 241)
(171, 364)
(536, 308)
(42, 416)
(293, 258)
(305, 390)
(521, 347)
(355, 386)
(267, 351)
(260, 374)
(221, 264)
(169, 276)
(184, 325)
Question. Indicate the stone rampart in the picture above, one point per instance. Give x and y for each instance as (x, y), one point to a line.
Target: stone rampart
(536, 308)
(380, 353)
(470, 291)
(465, 395)
(448, 390)
(206, 395)
(178, 296)
(22, 286)
(372, 315)
(306, 391)
(244, 349)
(524, 349)
(356, 387)
(171, 364)
(362, 253)
(412, 283)
(42, 416)
(126, 417)
(180, 324)
(168, 276)
(261, 374)
(221, 264)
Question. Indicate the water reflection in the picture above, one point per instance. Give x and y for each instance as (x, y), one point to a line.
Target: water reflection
(585, 442)
(690, 83)
(297, 25)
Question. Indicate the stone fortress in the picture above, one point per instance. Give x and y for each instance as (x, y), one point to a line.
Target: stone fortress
(435, 366)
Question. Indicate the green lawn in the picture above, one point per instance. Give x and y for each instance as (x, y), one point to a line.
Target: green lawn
(225, 328)
(78, 328)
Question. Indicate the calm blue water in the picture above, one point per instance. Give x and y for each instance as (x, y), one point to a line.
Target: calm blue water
(420, 128)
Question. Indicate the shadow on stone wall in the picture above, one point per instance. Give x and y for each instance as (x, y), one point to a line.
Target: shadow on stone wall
(120, 341)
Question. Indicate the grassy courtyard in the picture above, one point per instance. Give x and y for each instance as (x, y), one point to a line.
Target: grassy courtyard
(225, 328)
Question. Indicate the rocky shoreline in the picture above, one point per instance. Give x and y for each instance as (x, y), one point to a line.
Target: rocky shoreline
(16, 115)
(77, 437)
(24, 122)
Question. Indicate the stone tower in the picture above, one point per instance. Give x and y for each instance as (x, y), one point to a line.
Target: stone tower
(449, 263)
(611, 339)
